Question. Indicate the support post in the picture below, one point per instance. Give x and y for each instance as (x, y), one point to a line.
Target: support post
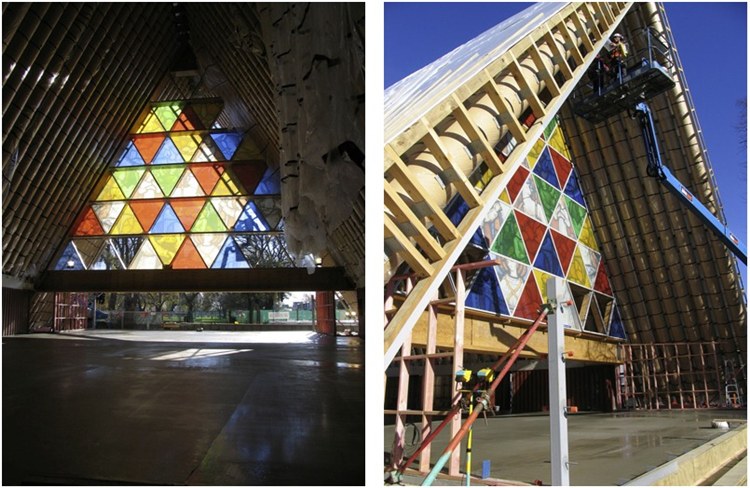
(557, 387)
(454, 466)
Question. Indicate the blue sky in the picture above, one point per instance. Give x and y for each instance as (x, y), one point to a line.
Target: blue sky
(712, 43)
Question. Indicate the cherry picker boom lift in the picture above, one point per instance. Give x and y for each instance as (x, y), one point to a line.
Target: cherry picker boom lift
(630, 90)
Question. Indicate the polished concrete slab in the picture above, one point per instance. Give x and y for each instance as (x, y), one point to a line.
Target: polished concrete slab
(167, 407)
(605, 449)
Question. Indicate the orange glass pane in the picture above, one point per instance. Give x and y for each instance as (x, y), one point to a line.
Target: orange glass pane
(206, 175)
(89, 225)
(187, 210)
(187, 120)
(188, 257)
(146, 212)
(147, 145)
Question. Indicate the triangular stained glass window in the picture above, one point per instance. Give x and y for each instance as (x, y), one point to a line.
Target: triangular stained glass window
(616, 327)
(171, 200)
(509, 241)
(577, 215)
(545, 169)
(515, 183)
(602, 282)
(565, 248)
(530, 302)
(485, 293)
(549, 196)
(532, 232)
(562, 167)
(547, 258)
(70, 260)
(573, 189)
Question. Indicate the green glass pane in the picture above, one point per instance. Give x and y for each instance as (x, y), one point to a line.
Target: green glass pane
(167, 114)
(167, 177)
(208, 220)
(577, 214)
(509, 241)
(128, 178)
(549, 195)
(548, 130)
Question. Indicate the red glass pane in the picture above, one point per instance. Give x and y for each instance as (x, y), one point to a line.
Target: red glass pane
(249, 174)
(516, 183)
(602, 283)
(89, 225)
(530, 302)
(188, 257)
(146, 212)
(206, 175)
(147, 145)
(565, 248)
(532, 232)
(187, 210)
(562, 166)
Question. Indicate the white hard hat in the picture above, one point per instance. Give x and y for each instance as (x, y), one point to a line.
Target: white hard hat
(616, 34)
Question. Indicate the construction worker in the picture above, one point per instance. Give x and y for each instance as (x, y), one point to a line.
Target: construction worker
(617, 51)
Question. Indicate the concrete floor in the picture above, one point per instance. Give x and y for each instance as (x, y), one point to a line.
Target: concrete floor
(166, 407)
(605, 449)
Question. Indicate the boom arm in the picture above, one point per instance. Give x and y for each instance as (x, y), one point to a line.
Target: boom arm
(658, 170)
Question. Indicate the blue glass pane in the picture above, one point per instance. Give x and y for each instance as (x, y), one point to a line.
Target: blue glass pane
(131, 157)
(546, 259)
(573, 190)
(456, 210)
(485, 293)
(228, 143)
(616, 327)
(546, 169)
(167, 222)
(70, 260)
(251, 220)
(167, 154)
(270, 184)
(230, 256)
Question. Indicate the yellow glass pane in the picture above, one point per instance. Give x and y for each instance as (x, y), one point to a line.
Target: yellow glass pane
(577, 270)
(535, 152)
(208, 246)
(146, 257)
(127, 223)
(587, 235)
(541, 281)
(505, 197)
(166, 246)
(225, 187)
(151, 124)
(111, 191)
(557, 142)
(187, 144)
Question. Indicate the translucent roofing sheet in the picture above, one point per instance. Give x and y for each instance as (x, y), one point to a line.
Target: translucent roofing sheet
(412, 97)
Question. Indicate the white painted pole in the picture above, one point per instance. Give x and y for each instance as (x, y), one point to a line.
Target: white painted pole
(557, 389)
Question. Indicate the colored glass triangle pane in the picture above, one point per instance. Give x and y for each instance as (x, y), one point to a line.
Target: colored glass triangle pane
(270, 184)
(587, 235)
(131, 157)
(225, 186)
(251, 220)
(111, 191)
(168, 154)
(70, 260)
(207, 152)
(150, 124)
(541, 282)
(546, 169)
(577, 215)
(530, 202)
(509, 241)
(166, 246)
(590, 263)
(535, 151)
(128, 178)
(167, 114)
(562, 167)
(187, 210)
(228, 143)
(148, 145)
(127, 223)
(126, 247)
(494, 220)
(228, 209)
(532, 232)
(107, 213)
(167, 222)
(167, 177)
(577, 271)
(550, 127)
(208, 220)
(561, 220)
(186, 144)
(188, 186)
(530, 302)
(565, 248)
(89, 225)
(548, 195)
(230, 256)
(248, 151)
(249, 174)
(616, 327)
(207, 112)
(556, 140)
(208, 245)
(221, 190)
(88, 249)
(516, 183)
(108, 259)
(188, 257)
(547, 259)
(146, 257)
(485, 293)
(146, 212)
(602, 282)
(511, 275)
(573, 189)
(206, 175)
(187, 120)
(148, 188)
(270, 208)
(505, 196)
